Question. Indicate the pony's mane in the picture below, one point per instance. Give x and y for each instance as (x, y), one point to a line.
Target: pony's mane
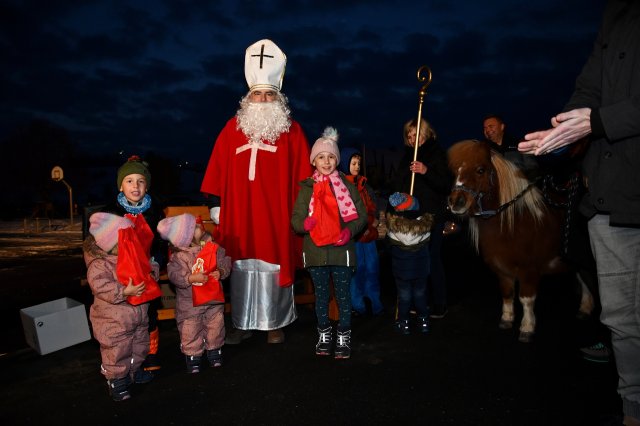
(511, 183)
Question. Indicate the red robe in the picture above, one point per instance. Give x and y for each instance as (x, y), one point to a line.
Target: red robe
(255, 216)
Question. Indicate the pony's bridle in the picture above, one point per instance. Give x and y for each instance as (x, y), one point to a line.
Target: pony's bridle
(477, 196)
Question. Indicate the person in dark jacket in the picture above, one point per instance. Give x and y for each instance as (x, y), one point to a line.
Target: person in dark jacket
(494, 130)
(432, 185)
(605, 108)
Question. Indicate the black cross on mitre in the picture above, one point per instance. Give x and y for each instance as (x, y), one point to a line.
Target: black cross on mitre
(262, 55)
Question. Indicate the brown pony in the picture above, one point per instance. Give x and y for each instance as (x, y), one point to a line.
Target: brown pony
(515, 232)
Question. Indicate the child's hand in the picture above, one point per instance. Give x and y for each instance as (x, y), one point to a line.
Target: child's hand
(215, 275)
(134, 290)
(197, 279)
(309, 223)
(345, 236)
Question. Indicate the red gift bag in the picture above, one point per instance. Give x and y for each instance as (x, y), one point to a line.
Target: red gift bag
(133, 262)
(325, 210)
(207, 262)
(143, 230)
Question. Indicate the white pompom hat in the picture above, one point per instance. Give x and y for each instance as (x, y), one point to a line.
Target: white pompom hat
(328, 142)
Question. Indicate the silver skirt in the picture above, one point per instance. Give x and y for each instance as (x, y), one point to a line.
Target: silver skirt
(257, 301)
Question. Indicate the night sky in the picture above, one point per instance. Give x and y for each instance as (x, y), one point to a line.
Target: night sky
(164, 76)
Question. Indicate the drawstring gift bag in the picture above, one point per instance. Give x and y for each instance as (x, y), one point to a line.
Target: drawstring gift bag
(210, 290)
(133, 262)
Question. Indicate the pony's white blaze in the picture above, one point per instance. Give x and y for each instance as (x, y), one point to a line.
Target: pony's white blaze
(458, 181)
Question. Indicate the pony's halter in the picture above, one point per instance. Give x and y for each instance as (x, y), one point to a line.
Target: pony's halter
(477, 196)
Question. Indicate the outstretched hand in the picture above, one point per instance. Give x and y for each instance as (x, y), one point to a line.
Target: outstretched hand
(568, 127)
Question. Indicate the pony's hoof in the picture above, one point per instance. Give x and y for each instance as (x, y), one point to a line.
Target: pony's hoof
(505, 325)
(525, 336)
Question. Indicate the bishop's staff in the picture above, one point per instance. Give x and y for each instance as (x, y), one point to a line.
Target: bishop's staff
(421, 93)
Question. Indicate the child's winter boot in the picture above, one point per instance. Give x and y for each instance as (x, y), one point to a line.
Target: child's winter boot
(343, 345)
(142, 376)
(119, 388)
(151, 362)
(193, 364)
(423, 324)
(402, 327)
(215, 357)
(323, 347)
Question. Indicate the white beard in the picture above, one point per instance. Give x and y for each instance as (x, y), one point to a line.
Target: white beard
(263, 121)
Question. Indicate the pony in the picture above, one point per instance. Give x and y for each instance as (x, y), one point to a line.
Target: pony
(515, 231)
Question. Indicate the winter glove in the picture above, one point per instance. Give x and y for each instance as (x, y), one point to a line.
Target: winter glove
(345, 237)
(309, 223)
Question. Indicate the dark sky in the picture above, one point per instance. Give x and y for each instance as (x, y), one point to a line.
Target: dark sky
(165, 75)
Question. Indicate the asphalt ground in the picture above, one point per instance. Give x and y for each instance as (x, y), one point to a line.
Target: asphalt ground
(465, 372)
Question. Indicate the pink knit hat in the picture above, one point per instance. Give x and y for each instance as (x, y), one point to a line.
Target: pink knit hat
(178, 230)
(104, 228)
(328, 142)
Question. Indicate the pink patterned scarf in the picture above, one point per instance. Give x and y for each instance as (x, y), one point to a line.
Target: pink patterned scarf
(345, 203)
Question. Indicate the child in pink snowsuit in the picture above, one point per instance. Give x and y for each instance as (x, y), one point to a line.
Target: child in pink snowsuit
(201, 327)
(120, 327)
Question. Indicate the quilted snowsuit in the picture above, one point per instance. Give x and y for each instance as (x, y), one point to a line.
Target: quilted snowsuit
(200, 327)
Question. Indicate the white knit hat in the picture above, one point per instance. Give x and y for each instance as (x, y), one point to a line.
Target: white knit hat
(328, 142)
(178, 229)
(264, 65)
(104, 228)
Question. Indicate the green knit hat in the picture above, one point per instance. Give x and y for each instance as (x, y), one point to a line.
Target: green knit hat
(134, 165)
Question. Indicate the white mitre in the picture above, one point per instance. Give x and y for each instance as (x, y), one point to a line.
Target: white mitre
(264, 65)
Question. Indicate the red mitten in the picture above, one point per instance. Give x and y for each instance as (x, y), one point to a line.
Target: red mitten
(309, 223)
(345, 237)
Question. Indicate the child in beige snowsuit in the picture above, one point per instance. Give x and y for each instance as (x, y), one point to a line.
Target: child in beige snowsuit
(201, 327)
(120, 327)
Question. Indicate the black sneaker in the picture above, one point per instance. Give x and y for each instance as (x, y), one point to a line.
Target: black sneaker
(438, 311)
(343, 345)
(596, 353)
(323, 347)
